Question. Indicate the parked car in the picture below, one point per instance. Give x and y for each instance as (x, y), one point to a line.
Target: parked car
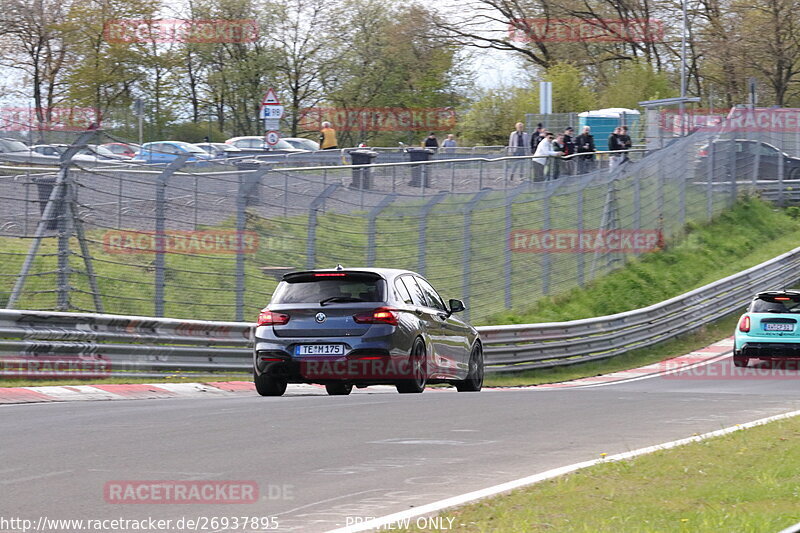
(302, 144)
(220, 150)
(722, 150)
(47, 149)
(12, 145)
(167, 151)
(769, 328)
(123, 149)
(363, 326)
(254, 143)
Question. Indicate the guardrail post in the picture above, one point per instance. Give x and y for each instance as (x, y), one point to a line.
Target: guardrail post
(371, 221)
(311, 242)
(468, 247)
(161, 217)
(423, 229)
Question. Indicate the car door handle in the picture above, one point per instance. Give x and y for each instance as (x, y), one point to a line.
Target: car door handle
(443, 316)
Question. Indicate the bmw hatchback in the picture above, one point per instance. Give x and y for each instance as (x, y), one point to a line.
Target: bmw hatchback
(359, 327)
(770, 329)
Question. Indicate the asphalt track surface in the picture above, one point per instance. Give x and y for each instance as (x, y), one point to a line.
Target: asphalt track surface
(318, 460)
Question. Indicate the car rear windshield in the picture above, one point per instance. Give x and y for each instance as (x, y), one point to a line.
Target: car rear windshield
(776, 304)
(329, 287)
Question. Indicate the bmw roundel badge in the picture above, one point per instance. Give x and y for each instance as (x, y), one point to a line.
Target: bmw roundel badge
(320, 317)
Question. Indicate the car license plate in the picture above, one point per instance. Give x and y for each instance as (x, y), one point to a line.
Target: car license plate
(320, 349)
(778, 327)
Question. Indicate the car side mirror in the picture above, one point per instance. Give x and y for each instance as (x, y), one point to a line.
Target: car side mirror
(456, 306)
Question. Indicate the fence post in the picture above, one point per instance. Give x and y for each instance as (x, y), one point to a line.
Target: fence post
(371, 222)
(56, 195)
(311, 242)
(781, 196)
(546, 223)
(465, 291)
(732, 160)
(161, 217)
(509, 222)
(423, 229)
(64, 234)
(710, 181)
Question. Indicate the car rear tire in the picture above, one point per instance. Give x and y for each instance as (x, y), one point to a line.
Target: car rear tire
(267, 385)
(474, 380)
(740, 360)
(338, 389)
(419, 372)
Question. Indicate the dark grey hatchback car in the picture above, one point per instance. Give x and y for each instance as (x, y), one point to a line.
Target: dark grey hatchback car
(359, 327)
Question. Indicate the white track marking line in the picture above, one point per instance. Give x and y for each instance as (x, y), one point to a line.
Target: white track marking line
(428, 509)
(654, 375)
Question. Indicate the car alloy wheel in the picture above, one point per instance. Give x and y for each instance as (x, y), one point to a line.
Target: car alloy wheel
(419, 377)
(474, 381)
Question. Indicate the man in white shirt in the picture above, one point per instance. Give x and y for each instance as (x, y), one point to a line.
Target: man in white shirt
(540, 158)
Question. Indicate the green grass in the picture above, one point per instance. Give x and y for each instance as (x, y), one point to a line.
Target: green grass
(746, 481)
(635, 358)
(750, 233)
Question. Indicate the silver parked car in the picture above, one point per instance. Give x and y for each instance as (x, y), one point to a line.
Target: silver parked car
(361, 327)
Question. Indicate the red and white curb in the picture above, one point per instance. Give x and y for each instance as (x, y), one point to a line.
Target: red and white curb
(704, 356)
(147, 391)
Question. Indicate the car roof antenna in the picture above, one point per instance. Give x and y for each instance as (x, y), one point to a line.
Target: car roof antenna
(339, 267)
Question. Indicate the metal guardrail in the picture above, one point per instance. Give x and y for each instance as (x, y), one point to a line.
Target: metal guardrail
(134, 344)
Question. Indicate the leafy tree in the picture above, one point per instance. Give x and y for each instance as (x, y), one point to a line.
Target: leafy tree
(492, 115)
(570, 93)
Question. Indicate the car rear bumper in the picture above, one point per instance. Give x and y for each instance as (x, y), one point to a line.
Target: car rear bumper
(771, 350)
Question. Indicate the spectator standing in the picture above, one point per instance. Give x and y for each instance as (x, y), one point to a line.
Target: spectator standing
(542, 156)
(554, 172)
(518, 143)
(327, 137)
(537, 136)
(449, 144)
(625, 141)
(568, 165)
(614, 145)
(585, 143)
(431, 142)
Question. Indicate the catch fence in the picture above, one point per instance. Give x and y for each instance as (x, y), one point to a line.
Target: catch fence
(211, 240)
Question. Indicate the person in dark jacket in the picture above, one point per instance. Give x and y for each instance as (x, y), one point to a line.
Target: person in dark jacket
(585, 143)
(431, 142)
(537, 136)
(615, 145)
(625, 141)
(568, 165)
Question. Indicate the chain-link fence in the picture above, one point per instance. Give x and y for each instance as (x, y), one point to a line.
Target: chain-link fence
(211, 239)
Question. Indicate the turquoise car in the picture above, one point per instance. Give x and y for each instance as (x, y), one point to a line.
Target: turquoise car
(769, 329)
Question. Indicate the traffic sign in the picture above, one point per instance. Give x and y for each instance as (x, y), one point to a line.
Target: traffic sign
(271, 111)
(272, 124)
(271, 98)
(272, 138)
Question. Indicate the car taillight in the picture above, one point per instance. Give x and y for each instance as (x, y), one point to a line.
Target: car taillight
(744, 324)
(270, 318)
(382, 315)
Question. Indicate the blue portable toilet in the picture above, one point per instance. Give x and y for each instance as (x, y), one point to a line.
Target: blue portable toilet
(604, 121)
